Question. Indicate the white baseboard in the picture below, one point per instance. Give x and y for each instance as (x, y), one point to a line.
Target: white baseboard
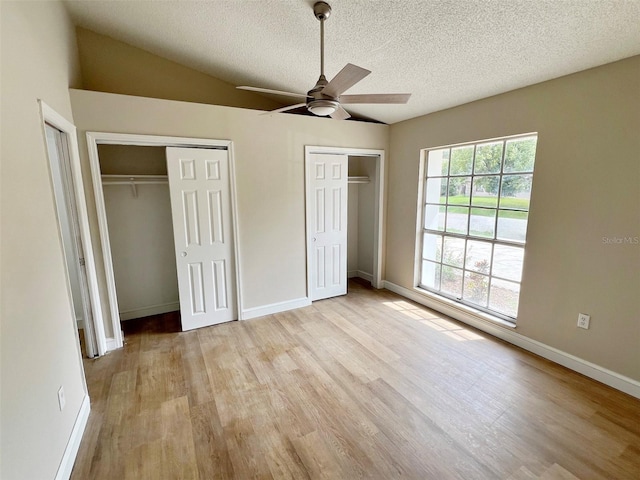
(150, 310)
(254, 312)
(71, 450)
(360, 274)
(591, 370)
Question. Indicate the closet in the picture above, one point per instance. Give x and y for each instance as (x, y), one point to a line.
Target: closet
(138, 211)
(361, 216)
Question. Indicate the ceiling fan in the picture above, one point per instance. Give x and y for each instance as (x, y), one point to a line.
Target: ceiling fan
(326, 98)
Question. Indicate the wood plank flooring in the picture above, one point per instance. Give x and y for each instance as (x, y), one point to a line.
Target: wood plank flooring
(369, 385)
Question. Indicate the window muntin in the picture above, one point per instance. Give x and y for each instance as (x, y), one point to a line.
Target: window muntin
(474, 222)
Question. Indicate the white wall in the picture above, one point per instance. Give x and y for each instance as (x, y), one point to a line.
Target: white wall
(38, 340)
(352, 229)
(586, 188)
(269, 154)
(141, 236)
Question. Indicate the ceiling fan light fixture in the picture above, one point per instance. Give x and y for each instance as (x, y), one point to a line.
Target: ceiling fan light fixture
(322, 107)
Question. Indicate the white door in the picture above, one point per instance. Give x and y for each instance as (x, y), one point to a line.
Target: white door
(327, 225)
(199, 186)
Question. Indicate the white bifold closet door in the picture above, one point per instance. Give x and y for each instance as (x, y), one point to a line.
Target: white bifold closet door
(199, 185)
(327, 224)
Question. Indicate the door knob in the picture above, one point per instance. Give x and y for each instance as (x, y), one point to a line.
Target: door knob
(184, 254)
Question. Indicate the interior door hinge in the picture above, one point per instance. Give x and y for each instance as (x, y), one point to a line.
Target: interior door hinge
(81, 262)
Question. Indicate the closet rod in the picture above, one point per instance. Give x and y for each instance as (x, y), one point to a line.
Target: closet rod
(134, 180)
(359, 179)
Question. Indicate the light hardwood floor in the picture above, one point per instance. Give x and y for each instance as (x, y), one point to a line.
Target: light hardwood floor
(364, 386)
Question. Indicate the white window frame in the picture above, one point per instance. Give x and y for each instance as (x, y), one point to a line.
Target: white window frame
(420, 230)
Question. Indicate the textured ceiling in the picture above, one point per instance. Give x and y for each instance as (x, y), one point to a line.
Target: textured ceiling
(445, 53)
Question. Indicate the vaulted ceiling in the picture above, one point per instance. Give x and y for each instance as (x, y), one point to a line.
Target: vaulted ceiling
(445, 53)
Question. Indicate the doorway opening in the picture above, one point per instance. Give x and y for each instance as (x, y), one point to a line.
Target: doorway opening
(73, 222)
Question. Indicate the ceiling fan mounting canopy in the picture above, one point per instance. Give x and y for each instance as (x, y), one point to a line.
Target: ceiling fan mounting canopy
(326, 97)
(322, 10)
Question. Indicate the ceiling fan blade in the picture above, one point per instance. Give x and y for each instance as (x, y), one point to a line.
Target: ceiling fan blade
(273, 92)
(344, 80)
(284, 109)
(340, 114)
(376, 98)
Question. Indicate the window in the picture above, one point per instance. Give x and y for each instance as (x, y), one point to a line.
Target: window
(474, 222)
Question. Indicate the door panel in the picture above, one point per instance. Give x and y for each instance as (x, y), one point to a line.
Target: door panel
(201, 210)
(327, 225)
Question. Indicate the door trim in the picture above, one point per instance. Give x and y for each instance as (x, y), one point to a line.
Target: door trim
(378, 240)
(50, 116)
(98, 138)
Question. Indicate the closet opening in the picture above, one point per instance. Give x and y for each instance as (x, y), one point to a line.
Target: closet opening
(344, 218)
(167, 216)
(138, 210)
(361, 234)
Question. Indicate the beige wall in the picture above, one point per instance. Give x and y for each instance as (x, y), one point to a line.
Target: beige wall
(39, 347)
(586, 186)
(269, 157)
(115, 67)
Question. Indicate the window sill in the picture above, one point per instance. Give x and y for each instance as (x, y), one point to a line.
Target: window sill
(463, 309)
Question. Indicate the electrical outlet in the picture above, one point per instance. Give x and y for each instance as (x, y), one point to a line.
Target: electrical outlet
(61, 399)
(583, 320)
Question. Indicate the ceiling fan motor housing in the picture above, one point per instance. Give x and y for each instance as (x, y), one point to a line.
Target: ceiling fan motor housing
(319, 103)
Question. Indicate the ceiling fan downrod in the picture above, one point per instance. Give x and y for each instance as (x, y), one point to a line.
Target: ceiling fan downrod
(322, 11)
(321, 105)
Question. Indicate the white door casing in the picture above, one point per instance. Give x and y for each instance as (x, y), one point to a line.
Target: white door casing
(199, 185)
(327, 224)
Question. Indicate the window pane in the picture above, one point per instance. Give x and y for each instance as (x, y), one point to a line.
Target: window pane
(438, 163)
(503, 297)
(453, 252)
(520, 155)
(459, 191)
(461, 160)
(512, 225)
(457, 219)
(436, 190)
(451, 281)
(434, 217)
(478, 257)
(516, 191)
(476, 288)
(507, 262)
(482, 222)
(488, 158)
(485, 191)
(430, 275)
(432, 247)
